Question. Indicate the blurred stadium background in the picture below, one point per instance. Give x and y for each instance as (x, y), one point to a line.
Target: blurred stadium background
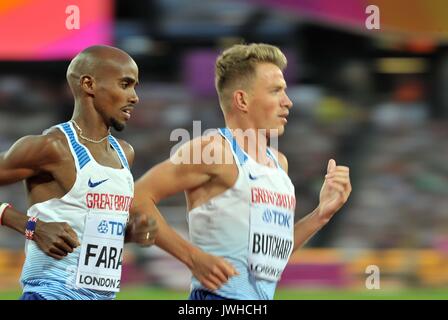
(375, 100)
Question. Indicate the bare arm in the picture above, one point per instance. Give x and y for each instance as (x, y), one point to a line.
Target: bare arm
(306, 228)
(164, 180)
(334, 193)
(161, 181)
(56, 239)
(26, 158)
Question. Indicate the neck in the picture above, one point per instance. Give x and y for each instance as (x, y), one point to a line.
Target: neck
(253, 141)
(90, 122)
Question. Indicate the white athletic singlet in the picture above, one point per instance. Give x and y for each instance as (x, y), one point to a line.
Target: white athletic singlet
(251, 225)
(97, 208)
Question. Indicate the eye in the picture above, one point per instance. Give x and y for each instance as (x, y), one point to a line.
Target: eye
(124, 84)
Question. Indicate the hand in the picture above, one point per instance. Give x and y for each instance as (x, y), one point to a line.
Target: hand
(142, 229)
(56, 239)
(335, 190)
(211, 271)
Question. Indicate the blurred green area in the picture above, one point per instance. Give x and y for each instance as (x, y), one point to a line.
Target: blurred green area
(150, 293)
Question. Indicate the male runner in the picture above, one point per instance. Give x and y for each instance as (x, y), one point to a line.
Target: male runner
(79, 186)
(241, 212)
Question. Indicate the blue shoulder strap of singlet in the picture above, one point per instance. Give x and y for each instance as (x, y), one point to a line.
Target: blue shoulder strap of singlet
(80, 152)
(242, 157)
(119, 150)
(274, 158)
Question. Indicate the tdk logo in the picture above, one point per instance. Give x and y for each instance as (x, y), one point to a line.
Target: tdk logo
(276, 217)
(102, 227)
(116, 228)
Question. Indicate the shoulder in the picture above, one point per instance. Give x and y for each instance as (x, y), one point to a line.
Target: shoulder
(128, 151)
(213, 140)
(37, 151)
(282, 160)
(54, 136)
(207, 154)
(206, 150)
(51, 142)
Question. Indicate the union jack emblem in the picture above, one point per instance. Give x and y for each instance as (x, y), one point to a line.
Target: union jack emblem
(30, 226)
(29, 234)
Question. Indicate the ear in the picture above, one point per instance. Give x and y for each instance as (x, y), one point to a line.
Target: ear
(87, 84)
(241, 100)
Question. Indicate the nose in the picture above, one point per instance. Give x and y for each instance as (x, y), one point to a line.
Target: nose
(134, 99)
(287, 102)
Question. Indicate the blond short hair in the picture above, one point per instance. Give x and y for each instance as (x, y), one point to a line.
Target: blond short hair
(236, 65)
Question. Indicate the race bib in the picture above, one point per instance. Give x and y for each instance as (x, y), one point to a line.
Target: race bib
(100, 262)
(271, 241)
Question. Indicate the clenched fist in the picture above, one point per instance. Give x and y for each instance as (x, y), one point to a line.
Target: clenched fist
(56, 239)
(335, 190)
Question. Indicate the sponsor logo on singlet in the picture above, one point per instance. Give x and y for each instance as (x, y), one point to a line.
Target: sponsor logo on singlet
(96, 184)
(110, 202)
(278, 218)
(281, 200)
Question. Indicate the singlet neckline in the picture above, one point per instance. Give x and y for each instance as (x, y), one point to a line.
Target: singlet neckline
(123, 167)
(268, 152)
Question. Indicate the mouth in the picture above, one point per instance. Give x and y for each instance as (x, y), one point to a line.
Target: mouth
(126, 111)
(284, 118)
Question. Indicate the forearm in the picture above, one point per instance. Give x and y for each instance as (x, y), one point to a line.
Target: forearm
(167, 238)
(170, 241)
(306, 228)
(15, 220)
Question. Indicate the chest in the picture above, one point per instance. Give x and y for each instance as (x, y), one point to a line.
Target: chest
(60, 178)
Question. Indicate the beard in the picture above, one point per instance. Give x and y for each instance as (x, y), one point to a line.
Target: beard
(117, 125)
